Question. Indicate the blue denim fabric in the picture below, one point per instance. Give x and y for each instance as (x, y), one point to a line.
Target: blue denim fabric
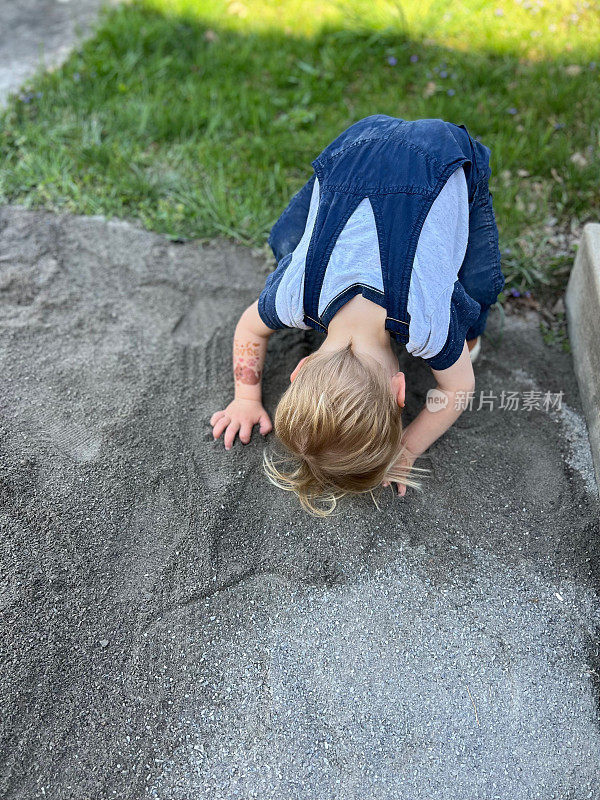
(287, 231)
(481, 272)
(266, 299)
(401, 166)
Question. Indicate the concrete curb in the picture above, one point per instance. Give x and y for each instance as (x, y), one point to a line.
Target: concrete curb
(583, 317)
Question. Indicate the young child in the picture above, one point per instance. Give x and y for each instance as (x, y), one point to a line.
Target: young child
(393, 236)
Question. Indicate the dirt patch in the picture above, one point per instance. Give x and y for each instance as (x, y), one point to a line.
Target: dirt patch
(173, 626)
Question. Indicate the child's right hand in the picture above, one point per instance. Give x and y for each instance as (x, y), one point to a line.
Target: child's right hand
(407, 459)
(240, 415)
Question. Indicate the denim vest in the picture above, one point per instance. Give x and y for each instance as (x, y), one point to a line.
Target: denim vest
(401, 166)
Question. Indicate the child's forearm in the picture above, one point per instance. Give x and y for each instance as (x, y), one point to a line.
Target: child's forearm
(249, 350)
(430, 425)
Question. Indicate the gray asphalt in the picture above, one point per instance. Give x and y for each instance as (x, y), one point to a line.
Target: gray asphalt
(174, 627)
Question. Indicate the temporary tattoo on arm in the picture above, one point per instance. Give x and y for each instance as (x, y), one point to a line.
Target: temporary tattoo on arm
(247, 362)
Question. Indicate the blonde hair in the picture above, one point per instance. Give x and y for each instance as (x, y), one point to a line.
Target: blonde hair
(341, 427)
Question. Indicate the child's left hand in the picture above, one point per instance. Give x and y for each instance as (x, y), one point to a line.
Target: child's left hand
(407, 459)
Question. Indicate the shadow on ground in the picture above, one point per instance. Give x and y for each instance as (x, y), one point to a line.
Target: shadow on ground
(175, 627)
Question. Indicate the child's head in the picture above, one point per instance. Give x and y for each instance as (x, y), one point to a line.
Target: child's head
(340, 420)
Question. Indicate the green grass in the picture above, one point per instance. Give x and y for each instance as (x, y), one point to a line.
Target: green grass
(201, 118)
(555, 333)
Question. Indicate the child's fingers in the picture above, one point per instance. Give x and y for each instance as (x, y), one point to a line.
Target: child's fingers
(216, 416)
(230, 433)
(220, 425)
(245, 432)
(400, 487)
(266, 425)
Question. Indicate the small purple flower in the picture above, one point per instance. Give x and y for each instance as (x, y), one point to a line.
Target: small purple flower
(558, 126)
(507, 251)
(443, 74)
(451, 92)
(414, 59)
(25, 98)
(527, 293)
(511, 111)
(515, 293)
(392, 61)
